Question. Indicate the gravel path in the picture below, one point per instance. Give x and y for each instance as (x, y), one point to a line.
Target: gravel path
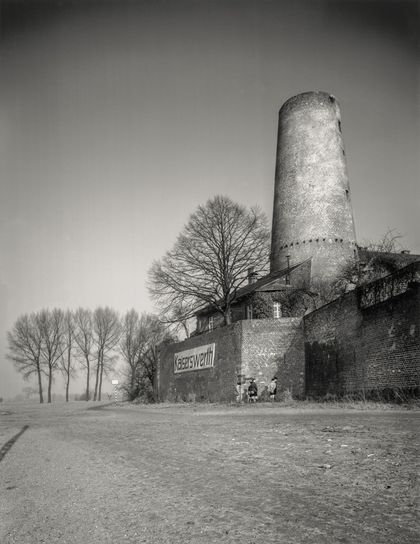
(197, 475)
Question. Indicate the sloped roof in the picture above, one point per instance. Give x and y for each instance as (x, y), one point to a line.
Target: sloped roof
(271, 282)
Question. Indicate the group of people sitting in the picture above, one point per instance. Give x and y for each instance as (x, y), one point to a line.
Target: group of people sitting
(253, 390)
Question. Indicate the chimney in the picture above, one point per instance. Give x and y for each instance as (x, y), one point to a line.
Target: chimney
(252, 275)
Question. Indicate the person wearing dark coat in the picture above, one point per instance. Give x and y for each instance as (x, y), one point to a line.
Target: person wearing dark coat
(253, 391)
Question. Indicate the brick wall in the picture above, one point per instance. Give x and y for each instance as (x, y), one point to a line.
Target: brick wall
(339, 349)
(350, 349)
(217, 384)
(274, 347)
(249, 348)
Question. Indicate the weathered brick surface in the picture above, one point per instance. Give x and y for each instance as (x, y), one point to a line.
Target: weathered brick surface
(256, 348)
(340, 348)
(274, 347)
(312, 213)
(217, 384)
(349, 349)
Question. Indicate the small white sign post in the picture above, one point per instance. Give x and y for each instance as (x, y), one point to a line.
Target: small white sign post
(115, 383)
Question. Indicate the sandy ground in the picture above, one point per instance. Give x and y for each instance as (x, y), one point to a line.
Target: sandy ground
(207, 474)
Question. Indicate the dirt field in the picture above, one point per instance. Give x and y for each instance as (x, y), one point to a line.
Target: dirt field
(208, 474)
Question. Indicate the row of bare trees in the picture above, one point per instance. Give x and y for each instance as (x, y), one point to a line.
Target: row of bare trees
(48, 342)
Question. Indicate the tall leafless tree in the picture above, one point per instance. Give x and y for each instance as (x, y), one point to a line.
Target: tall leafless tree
(131, 345)
(83, 337)
(107, 330)
(139, 343)
(67, 366)
(211, 258)
(50, 323)
(25, 344)
(156, 334)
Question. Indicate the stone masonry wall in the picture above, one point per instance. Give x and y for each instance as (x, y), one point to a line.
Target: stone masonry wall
(339, 349)
(349, 349)
(250, 348)
(217, 384)
(312, 211)
(274, 347)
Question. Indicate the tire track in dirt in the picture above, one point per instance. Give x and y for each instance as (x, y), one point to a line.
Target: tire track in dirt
(6, 447)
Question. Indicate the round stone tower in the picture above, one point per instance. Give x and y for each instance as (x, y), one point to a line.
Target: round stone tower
(312, 214)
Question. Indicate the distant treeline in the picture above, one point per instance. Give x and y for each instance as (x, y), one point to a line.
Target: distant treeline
(48, 342)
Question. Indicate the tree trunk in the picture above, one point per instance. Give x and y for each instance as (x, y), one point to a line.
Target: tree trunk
(67, 387)
(87, 377)
(100, 379)
(41, 397)
(98, 364)
(96, 381)
(133, 383)
(68, 375)
(228, 317)
(49, 384)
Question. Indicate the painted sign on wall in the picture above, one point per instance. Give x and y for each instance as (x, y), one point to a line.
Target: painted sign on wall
(197, 358)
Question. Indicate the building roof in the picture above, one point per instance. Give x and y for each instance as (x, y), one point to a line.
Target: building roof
(274, 281)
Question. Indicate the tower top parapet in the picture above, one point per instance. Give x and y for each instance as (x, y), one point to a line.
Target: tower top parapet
(309, 99)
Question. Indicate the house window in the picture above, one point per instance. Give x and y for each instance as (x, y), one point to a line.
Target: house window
(276, 310)
(249, 311)
(211, 323)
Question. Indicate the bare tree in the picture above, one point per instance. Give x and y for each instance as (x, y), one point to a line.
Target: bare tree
(211, 258)
(50, 323)
(67, 361)
(157, 334)
(83, 336)
(131, 346)
(387, 243)
(378, 260)
(139, 343)
(24, 344)
(107, 330)
(178, 319)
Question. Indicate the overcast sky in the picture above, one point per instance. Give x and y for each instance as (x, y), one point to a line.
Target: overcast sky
(118, 118)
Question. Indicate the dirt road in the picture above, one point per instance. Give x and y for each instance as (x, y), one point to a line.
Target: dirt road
(207, 474)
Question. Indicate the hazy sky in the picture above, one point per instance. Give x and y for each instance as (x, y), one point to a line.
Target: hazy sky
(118, 118)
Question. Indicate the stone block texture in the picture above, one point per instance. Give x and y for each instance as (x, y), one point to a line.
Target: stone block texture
(349, 349)
(312, 212)
(339, 349)
(274, 347)
(217, 384)
(250, 348)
